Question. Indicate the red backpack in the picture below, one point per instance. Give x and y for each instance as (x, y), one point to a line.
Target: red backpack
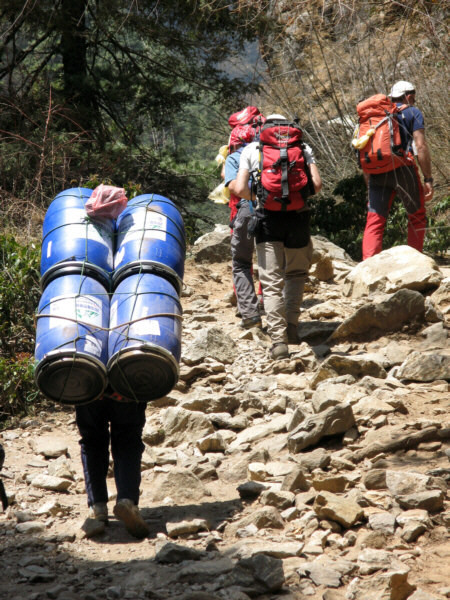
(283, 174)
(378, 141)
(247, 116)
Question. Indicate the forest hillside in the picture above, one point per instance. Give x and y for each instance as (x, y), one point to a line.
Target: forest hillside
(138, 96)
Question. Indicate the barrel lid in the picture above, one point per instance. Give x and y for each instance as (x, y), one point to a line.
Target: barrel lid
(143, 266)
(73, 267)
(78, 192)
(71, 378)
(143, 373)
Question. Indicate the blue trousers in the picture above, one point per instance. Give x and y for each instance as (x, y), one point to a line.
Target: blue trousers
(121, 423)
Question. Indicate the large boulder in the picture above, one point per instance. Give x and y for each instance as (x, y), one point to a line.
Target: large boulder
(424, 367)
(441, 297)
(389, 315)
(391, 270)
(339, 364)
(213, 246)
(332, 421)
(329, 260)
(184, 425)
(211, 342)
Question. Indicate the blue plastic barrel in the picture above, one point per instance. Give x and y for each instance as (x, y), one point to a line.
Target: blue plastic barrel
(144, 338)
(74, 241)
(72, 339)
(150, 238)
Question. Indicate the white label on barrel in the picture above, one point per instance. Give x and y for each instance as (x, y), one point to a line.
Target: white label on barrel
(88, 231)
(149, 327)
(154, 227)
(143, 236)
(74, 215)
(49, 249)
(92, 345)
(86, 309)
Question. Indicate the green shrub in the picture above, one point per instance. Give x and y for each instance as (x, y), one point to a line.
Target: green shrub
(19, 296)
(437, 239)
(19, 395)
(342, 222)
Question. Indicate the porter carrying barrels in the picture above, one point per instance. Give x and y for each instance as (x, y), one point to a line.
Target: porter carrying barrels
(86, 338)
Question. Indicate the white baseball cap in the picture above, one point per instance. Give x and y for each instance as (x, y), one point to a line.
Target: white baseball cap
(400, 88)
(275, 116)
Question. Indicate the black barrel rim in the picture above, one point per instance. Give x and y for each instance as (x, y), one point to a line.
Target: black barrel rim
(71, 378)
(74, 267)
(143, 373)
(153, 267)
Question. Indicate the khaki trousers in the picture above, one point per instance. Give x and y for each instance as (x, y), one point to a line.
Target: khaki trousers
(282, 272)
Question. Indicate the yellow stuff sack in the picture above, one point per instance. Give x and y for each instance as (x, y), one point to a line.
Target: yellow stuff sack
(220, 194)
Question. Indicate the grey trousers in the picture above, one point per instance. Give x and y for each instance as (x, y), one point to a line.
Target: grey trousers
(242, 248)
(282, 272)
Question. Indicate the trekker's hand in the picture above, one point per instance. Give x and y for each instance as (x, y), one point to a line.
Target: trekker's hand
(428, 191)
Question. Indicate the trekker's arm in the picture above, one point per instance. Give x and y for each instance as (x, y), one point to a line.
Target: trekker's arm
(316, 179)
(240, 185)
(232, 187)
(424, 160)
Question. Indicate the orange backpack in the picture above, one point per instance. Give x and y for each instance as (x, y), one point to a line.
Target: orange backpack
(378, 136)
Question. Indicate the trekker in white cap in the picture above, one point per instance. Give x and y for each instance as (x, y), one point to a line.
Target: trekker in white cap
(403, 181)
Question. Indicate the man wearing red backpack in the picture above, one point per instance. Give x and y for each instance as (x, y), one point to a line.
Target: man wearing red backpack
(286, 172)
(401, 176)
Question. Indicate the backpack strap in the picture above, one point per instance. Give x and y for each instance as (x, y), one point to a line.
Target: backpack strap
(309, 189)
(284, 179)
(259, 187)
(400, 109)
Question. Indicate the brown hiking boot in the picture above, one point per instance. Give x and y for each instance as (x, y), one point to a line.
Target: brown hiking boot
(127, 511)
(251, 322)
(97, 519)
(279, 351)
(99, 511)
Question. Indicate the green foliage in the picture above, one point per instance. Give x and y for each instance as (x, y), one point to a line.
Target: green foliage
(19, 295)
(342, 221)
(437, 239)
(112, 88)
(18, 393)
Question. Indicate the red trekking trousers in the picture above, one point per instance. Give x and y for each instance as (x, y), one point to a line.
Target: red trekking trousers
(405, 183)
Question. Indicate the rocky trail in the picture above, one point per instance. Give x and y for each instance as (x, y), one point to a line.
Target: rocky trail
(324, 476)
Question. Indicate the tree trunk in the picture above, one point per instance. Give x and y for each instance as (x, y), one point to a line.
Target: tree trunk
(78, 92)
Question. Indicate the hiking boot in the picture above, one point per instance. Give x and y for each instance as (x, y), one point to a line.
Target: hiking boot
(251, 322)
(99, 511)
(127, 511)
(292, 333)
(279, 350)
